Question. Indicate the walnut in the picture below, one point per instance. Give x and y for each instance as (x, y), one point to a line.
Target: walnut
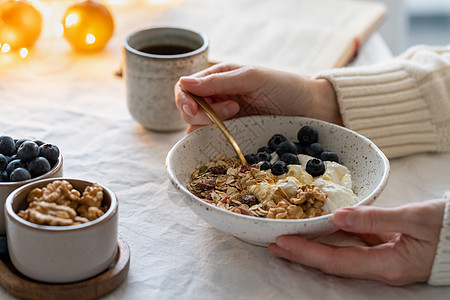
(48, 213)
(59, 204)
(285, 210)
(308, 193)
(60, 192)
(92, 195)
(89, 212)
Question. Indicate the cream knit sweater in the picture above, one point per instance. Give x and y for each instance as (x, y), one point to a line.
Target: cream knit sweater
(403, 106)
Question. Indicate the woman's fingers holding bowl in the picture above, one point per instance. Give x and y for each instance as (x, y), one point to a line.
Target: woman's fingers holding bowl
(376, 263)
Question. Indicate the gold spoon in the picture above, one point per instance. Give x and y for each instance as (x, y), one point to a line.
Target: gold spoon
(212, 115)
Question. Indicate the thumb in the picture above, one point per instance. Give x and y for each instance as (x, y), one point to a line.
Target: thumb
(371, 219)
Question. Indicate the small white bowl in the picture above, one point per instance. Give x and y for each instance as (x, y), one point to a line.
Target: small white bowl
(61, 254)
(367, 163)
(7, 187)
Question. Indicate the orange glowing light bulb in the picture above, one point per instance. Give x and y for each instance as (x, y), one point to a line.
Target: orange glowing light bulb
(20, 24)
(88, 26)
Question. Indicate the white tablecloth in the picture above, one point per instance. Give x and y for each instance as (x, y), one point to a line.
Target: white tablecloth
(76, 102)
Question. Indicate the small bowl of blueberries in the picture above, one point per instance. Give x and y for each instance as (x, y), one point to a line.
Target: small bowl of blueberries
(298, 172)
(22, 161)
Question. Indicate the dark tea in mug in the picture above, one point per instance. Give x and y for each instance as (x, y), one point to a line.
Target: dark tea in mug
(166, 49)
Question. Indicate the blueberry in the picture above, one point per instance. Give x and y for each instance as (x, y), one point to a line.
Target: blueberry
(38, 166)
(7, 145)
(264, 149)
(19, 142)
(329, 156)
(39, 142)
(300, 148)
(14, 164)
(13, 157)
(315, 167)
(279, 168)
(275, 141)
(290, 159)
(3, 162)
(28, 150)
(263, 156)
(50, 152)
(266, 165)
(20, 174)
(286, 147)
(4, 176)
(307, 135)
(314, 150)
(251, 159)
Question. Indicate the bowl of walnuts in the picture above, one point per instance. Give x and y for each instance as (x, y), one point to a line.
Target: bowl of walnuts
(23, 161)
(61, 230)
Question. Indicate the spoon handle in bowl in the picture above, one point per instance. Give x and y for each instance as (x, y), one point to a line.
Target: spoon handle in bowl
(216, 120)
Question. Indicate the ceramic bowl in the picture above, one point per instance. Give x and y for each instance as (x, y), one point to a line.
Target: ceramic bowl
(61, 254)
(7, 187)
(367, 163)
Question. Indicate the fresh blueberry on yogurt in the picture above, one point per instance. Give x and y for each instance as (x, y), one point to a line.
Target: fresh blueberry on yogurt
(290, 159)
(307, 135)
(329, 156)
(286, 147)
(315, 167)
(275, 140)
(315, 149)
(279, 168)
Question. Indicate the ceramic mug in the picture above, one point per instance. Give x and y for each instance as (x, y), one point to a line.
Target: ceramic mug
(155, 59)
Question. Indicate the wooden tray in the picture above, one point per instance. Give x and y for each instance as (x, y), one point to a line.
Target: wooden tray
(25, 288)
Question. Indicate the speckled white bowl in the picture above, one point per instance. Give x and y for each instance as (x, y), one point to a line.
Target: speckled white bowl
(7, 187)
(368, 165)
(61, 254)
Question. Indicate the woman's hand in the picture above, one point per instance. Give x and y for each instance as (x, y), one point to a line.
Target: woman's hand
(401, 244)
(234, 90)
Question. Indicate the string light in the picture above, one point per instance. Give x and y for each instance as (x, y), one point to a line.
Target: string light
(23, 52)
(20, 24)
(6, 48)
(88, 26)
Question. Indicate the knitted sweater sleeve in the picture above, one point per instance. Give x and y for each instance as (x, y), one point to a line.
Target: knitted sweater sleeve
(403, 106)
(440, 272)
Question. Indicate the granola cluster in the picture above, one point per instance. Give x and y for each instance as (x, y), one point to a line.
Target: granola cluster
(59, 204)
(227, 184)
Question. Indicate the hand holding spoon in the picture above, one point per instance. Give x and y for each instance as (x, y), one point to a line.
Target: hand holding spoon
(212, 115)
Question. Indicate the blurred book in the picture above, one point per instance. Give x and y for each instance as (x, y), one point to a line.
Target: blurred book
(301, 36)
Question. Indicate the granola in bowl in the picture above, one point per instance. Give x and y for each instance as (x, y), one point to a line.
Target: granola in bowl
(227, 184)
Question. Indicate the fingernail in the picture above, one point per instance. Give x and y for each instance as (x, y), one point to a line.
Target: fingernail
(344, 217)
(282, 244)
(230, 109)
(187, 110)
(189, 80)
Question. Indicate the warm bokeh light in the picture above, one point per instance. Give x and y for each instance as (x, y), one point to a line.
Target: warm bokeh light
(90, 38)
(23, 52)
(88, 25)
(20, 24)
(71, 19)
(6, 48)
(58, 30)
